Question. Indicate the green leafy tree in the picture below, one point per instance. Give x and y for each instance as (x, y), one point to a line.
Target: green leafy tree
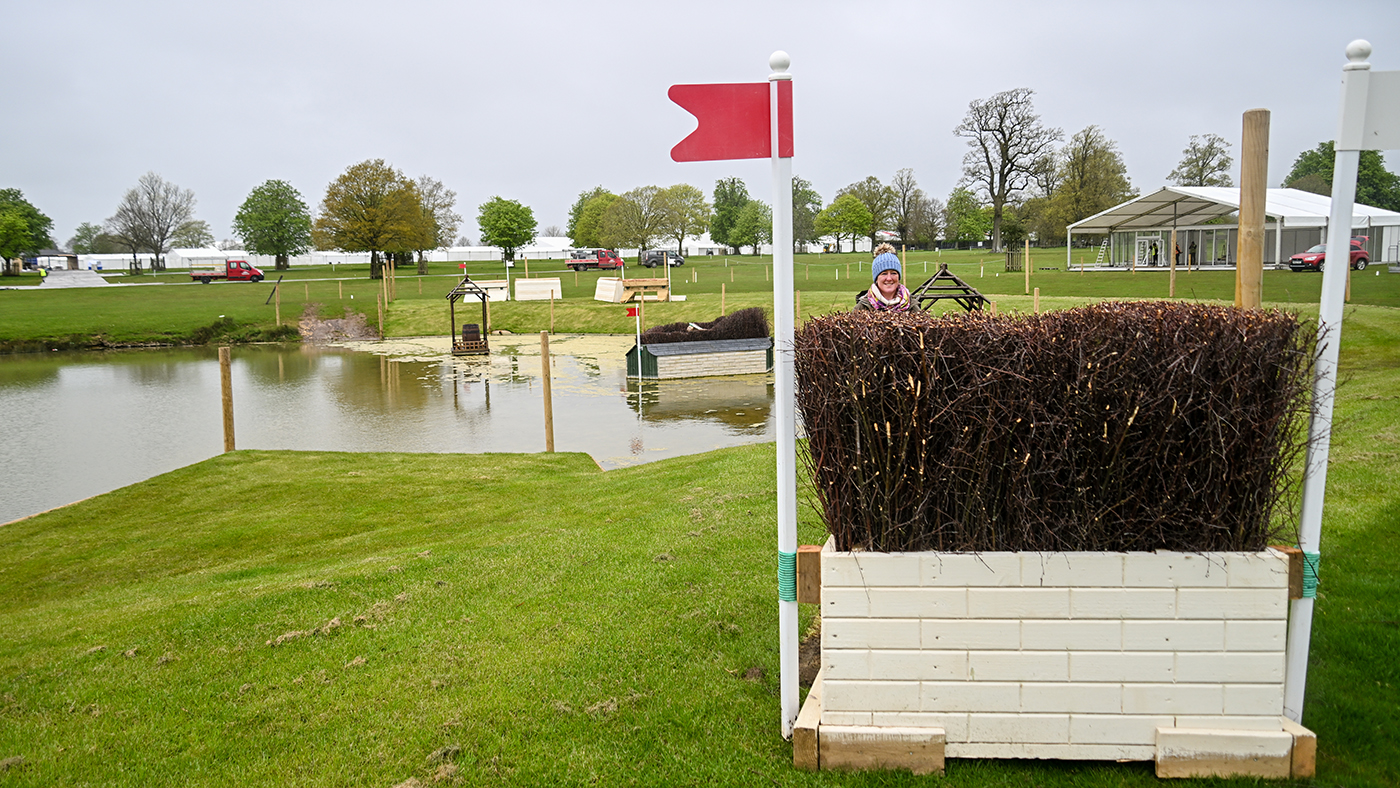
(1375, 185)
(684, 213)
(1006, 141)
(36, 230)
(14, 236)
(633, 219)
(731, 195)
(586, 231)
(576, 212)
(878, 199)
(1204, 162)
(926, 221)
(505, 224)
(1091, 177)
(273, 220)
(84, 239)
(193, 234)
(371, 207)
(754, 226)
(806, 204)
(964, 217)
(845, 217)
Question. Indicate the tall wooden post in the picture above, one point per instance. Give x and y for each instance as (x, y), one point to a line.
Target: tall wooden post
(551, 310)
(721, 299)
(1037, 300)
(1254, 173)
(548, 401)
(305, 291)
(1171, 286)
(277, 303)
(340, 289)
(379, 308)
(1026, 264)
(797, 305)
(226, 385)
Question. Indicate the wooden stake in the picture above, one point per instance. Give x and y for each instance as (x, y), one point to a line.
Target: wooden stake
(277, 303)
(1254, 171)
(576, 279)
(379, 307)
(731, 274)
(226, 384)
(1026, 264)
(527, 266)
(551, 310)
(1171, 286)
(340, 289)
(548, 400)
(305, 291)
(420, 285)
(994, 309)
(797, 306)
(487, 304)
(1037, 300)
(721, 299)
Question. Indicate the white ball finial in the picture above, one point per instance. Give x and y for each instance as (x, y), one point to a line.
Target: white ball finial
(779, 61)
(1357, 52)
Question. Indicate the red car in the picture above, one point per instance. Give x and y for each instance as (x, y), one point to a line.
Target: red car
(1312, 259)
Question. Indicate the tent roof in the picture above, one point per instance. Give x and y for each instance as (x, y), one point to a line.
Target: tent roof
(1185, 206)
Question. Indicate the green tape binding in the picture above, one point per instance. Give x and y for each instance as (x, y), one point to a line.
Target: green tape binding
(787, 576)
(1310, 562)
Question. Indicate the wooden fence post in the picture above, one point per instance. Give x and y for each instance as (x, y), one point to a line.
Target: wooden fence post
(548, 400)
(226, 385)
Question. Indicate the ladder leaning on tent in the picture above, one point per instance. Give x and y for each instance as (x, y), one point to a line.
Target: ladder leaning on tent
(1103, 250)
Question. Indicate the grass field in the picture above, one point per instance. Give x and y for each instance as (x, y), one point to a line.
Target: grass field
(362, 619)
(170, 310)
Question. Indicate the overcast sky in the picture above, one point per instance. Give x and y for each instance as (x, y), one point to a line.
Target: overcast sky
(537, 101)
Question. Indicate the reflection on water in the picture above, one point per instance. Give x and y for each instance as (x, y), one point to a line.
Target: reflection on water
(78, 424)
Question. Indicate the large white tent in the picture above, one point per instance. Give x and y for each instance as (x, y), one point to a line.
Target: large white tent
(1294, 221)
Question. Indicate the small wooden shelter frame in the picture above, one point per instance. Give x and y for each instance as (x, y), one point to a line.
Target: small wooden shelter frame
(467, 345)
(946, 284)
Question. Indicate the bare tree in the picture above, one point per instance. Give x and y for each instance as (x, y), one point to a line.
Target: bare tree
(552, 231)
(1006, 139)
(148, 216)
(437, 202)
(1205, 162)
(909, 200)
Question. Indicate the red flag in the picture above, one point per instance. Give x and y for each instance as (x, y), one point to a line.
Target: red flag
(462, 266)
(734, 121)
(631, 311)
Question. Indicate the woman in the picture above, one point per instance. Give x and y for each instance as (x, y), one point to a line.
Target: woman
(887, 293)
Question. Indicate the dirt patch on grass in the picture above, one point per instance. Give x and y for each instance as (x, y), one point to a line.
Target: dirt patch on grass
(322, 331)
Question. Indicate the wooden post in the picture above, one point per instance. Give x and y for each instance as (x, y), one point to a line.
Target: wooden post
(486, 307)
(226, 384)
(721, 299)
(548, 401)
(575, 278)
(551, 310)
(797, 306)
(379, 308)
(904, 257)
(1254, 172)
(848, 270)
(340, 289)
(420, 285)
(526, 260)
(1171, 286)
(277, 303)
(765, 273)
(731, 274)
(1026, 265)
(305, 291)
(807, 271)
(1037, 300)
(994, 309)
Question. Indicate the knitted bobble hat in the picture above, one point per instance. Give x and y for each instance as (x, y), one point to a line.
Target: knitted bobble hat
(885, 262)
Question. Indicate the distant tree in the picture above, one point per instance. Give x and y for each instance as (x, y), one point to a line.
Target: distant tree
(633, 219)
(1007, 140)
(465, 240)
(148, 216)
(576, 211)
(84, 240)
(1091, 178)
(371, 207)
(552, 231)
(505, 224)
(1204, 162)
(1013, 229)
(439, 219)
(964, 217)
(1375, 185)
(14, 237)
(925, 221)
(36, 230)
(731, 195)
(754, 226)
(194, 234)
(878, 199)
(273, 220)
(586, 231)
(845, 217)
(908, 200)
(684, 213)
(806, 204)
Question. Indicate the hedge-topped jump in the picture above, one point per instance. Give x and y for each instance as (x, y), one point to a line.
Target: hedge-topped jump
(1113, 427)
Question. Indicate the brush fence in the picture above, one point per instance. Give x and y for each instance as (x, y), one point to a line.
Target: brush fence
(1083, 656)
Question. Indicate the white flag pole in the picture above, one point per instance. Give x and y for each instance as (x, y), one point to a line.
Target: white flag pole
(1355, 86)
(785, 391)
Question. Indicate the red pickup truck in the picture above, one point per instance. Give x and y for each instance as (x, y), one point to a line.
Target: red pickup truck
(1312, 259)
(589, 259)
(232, 270)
